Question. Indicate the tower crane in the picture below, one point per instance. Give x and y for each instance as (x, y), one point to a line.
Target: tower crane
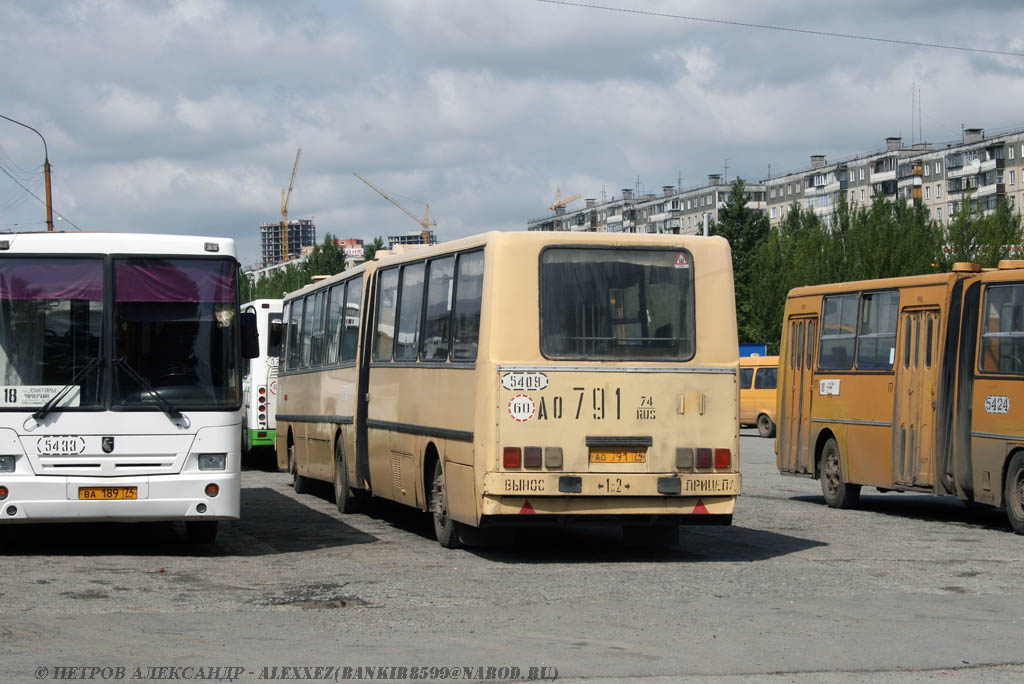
(286, 252)
(424, 222)
(559, 202)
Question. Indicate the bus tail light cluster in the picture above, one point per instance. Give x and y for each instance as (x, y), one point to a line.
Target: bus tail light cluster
(703, 458)
(531, 457)
(262, 401)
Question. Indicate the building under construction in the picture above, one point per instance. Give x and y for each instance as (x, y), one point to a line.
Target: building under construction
(301, 233)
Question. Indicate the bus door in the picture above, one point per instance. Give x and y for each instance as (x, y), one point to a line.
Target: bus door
(913, 438)
(362, 405)
(796, 397)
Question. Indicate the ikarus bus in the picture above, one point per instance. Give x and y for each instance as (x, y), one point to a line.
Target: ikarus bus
(120, 379)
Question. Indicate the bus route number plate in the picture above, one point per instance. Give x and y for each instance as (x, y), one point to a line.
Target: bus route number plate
(618, 455)
(107, 493)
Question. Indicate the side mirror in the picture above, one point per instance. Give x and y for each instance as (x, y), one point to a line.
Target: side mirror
(250, 336)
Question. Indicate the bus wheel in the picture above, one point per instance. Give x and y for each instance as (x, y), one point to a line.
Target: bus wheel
(765, 426)
(201, 531)
(299, 483)
(446, 529)
(838, 494)
(346, 500)
(1013, 493)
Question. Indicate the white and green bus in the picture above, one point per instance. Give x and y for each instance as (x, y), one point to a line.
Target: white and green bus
(259, 426)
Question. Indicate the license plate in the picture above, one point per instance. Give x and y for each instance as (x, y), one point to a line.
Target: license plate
(60, 445)
(97, 493)
(618, 455)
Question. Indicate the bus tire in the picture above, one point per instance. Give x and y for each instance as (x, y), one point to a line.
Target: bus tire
(346, 500)
(837, 492)
(299, 483)
(201, 531)
(445, 529)
(1013, 492)
(765, 426)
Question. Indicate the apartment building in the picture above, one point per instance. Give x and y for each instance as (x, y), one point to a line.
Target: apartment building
(939, 176)
(673, 211)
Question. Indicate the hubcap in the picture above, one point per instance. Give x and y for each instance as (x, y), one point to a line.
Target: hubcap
(437, 501)
(832, 472)
(1018, 494)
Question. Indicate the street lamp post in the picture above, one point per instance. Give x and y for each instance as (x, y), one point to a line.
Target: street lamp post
(46, 172)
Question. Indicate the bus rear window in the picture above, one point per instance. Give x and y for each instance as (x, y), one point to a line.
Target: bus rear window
(617, 304)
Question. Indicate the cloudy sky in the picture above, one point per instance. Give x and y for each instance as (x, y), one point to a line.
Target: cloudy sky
(184, 116)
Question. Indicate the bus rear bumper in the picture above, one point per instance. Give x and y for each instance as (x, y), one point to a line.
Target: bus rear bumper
(172, 497)
(681, 509)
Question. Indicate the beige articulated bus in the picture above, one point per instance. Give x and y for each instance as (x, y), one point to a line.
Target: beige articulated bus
(517, 378)
(909, 384)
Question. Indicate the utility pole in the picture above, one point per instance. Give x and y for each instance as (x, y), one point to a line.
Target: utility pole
(46, 172)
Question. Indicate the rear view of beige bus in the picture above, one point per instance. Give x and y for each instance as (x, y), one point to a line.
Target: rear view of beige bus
(612, 364)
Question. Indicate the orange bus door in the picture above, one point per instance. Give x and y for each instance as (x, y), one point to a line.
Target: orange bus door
(798, 394)
(913, 438)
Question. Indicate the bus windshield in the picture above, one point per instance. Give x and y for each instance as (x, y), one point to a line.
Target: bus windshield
(51, 322)
(174, 325)
(599, 303)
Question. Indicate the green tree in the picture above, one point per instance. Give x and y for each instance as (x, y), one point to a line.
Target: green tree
(985, 240)
(745, 229)
(325, 259)
(370, 250)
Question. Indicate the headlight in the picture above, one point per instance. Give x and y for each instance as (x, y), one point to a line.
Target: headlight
(6, 464)
(212, 461)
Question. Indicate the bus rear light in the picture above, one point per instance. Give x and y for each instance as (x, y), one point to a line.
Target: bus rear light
(261, 435)
(531, 457)
(12, 511)
(263, 400)
(6, 464)
(684, 458)
(703, 458)
(263, 390)
(3, 493)
(212, 490)
(553, 457)
(511, 456)
(723, 459)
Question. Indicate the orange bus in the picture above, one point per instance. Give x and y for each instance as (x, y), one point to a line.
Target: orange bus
(908, 384)
(759, 377)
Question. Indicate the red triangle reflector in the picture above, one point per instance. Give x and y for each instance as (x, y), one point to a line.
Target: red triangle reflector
(527, 509)
(700, 507)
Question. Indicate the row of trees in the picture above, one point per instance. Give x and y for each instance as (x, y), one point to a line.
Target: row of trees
(884, 239)
(326, 258)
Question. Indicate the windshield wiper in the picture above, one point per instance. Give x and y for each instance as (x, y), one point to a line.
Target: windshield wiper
(166, 406)
(52, 402)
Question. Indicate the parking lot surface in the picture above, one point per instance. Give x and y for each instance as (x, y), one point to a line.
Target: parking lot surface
(907, 588)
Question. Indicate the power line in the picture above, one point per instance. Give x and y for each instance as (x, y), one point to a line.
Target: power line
(828, 34)
(37, 197)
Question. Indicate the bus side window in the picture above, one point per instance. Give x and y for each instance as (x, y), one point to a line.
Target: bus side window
(746, 375)
(306, 334)
(384, 341)
(468, 295)
(294, 323)
(838, 332)
(316, 346)
(766, 378)
(800, 346)
(350, 319)
(410, 309)
(906, 342)
(792, 347)
(437, 320)
(335, 304)
(876, 332)
(928, 342)
(1002, 333)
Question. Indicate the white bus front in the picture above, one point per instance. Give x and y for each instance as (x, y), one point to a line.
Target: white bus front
(120, 389)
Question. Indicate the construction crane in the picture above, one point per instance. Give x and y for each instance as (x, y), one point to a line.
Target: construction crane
(285, 199)
(424, 222)
(559, 202)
